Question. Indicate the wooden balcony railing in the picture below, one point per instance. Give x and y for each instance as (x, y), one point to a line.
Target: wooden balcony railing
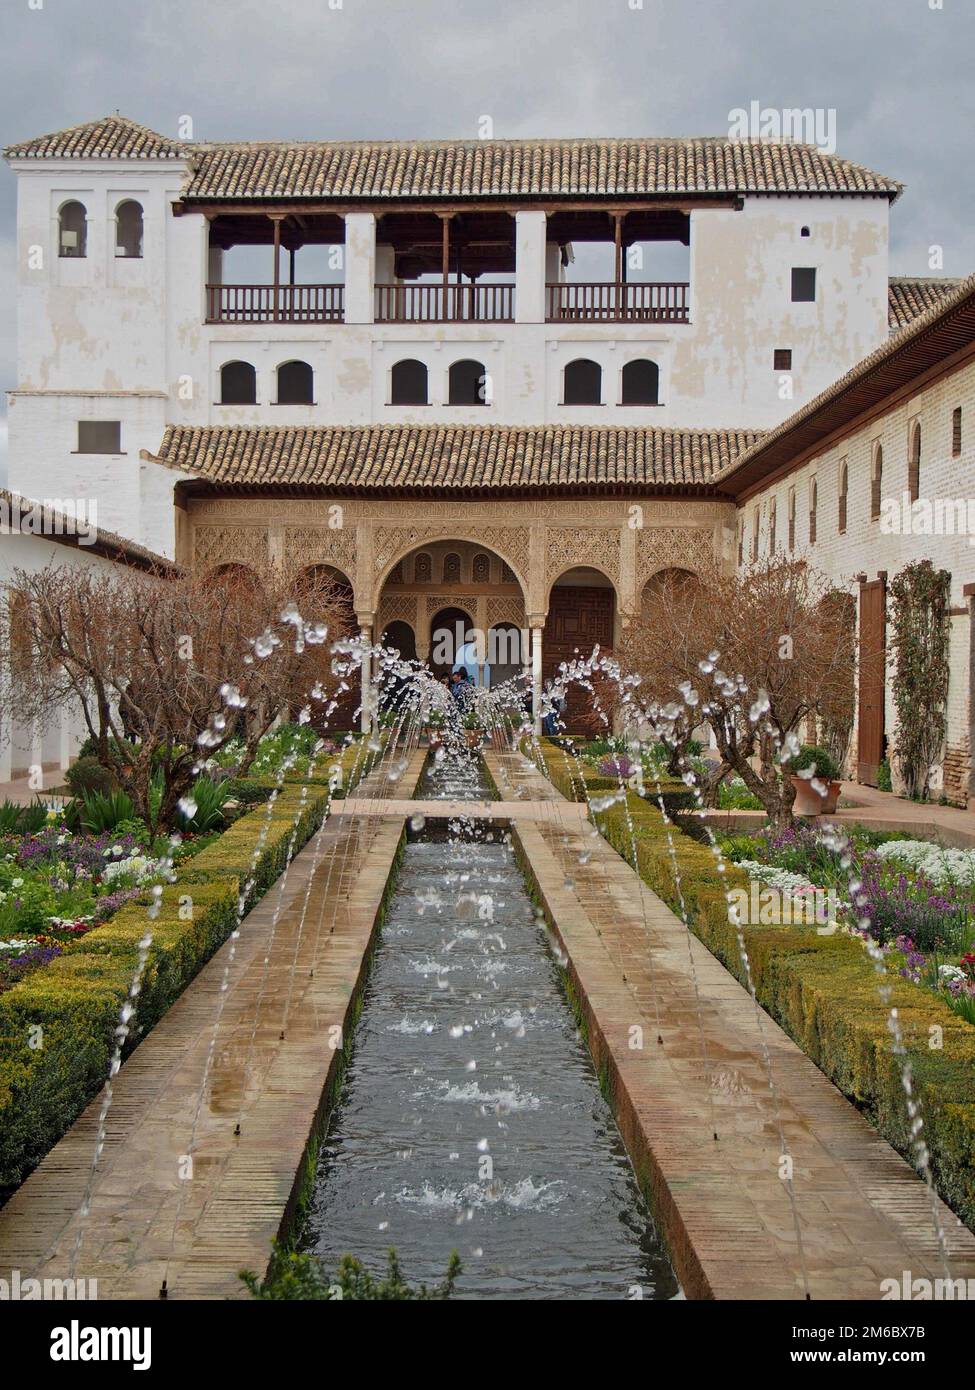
(270, 304)
(652, 302)
(419, 303)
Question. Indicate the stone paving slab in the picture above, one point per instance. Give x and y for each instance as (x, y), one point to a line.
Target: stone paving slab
(863, 1213)
(292, 980)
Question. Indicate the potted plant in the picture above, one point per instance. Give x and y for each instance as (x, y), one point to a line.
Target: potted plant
(810, 801)
(474, 728)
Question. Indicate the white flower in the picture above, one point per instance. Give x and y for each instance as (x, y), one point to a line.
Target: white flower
(16, 883)
(139, 866)
(950, 972)
(938, 864)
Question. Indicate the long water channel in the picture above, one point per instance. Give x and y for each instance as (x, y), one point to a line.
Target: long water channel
(471, 1116)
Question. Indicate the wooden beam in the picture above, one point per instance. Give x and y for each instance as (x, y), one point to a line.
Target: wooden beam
(209, 207)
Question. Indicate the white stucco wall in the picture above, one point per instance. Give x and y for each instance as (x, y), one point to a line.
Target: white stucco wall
(867, 546)
(110, 338)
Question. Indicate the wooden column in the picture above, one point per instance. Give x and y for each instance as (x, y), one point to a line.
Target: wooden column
(618, 240)
(445, 257)
(277, 266)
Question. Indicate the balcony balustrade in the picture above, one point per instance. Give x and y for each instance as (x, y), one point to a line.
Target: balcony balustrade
(439, 303)
(601, 302)
(275, 304)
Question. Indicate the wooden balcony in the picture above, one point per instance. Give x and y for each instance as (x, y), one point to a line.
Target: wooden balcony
(275, 304)
(439, 303)
(661, 301)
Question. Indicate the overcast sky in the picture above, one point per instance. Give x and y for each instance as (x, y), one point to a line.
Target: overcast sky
(897, 72)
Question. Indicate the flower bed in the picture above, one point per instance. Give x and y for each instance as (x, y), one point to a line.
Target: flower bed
(823, 990)
(919, 898)
(57, 1024)
(56, 886)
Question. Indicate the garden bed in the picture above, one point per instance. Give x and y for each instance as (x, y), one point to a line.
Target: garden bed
(823, 990)
(57, 1024)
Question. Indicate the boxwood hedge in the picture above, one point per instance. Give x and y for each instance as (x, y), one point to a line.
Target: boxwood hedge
(823, 990)
(57, 1024)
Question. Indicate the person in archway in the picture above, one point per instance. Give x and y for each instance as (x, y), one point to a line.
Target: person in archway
(553, 719)
(461, 689)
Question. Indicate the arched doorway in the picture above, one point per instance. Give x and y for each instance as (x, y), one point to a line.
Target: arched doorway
(400, 637)
(581, 615)
(451, 635)
(668, 586)
(505, 654)
(458, 584)
(344, 715)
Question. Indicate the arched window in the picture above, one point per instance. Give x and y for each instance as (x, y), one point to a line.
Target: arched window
(792, 519)
(876, 481)
(238, 384)
(128, 229)
(771, 526)
(409, 383)
(641, 383)
(583, 383)
(73, 230)
(468, 383)
(296, 384)
(422, 568)
(451, 568)
(481, 569)
(813, 504)
(844, 489)
(914, 464)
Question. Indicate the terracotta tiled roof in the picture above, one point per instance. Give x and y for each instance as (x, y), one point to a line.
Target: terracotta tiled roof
(115, 137)
(473, 168)
(940, 332)
(469, 457)
(908, 297)
(519, 168)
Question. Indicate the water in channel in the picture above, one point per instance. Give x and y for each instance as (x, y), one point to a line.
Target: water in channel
(471, 1116)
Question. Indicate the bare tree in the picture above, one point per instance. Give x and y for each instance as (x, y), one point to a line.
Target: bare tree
(754, 655)
(167, 671)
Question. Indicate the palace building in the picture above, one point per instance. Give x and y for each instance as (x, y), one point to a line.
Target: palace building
(501, 383)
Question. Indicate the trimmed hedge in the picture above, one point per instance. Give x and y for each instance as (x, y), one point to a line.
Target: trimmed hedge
(823, 990)
(47, 1077)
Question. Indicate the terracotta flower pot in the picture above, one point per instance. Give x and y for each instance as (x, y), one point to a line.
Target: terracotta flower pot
(810, 802)
(474, 737)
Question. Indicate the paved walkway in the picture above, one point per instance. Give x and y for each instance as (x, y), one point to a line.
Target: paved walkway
(863, 1213)
(878, 810)
(290, 984)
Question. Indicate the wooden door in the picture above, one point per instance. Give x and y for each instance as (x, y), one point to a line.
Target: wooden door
(578, 618)
(870, 713)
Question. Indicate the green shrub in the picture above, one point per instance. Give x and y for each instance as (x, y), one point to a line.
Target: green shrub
(77, 997)
(884, 780)
(824, 992)
(209, 798)
(88, 775)
(22, 820)
(827, 768)
(99, 812)
(302, 1277)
